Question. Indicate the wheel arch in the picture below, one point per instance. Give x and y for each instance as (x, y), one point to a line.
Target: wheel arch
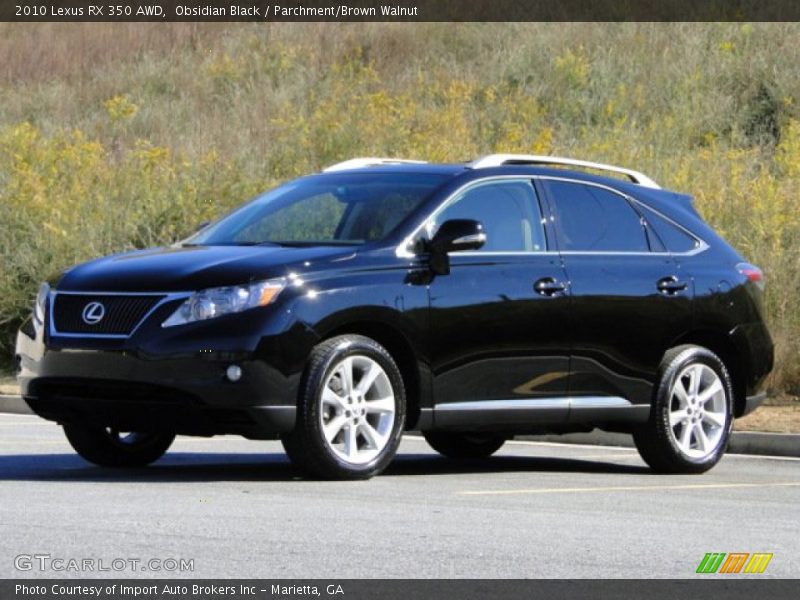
(391, 337)
(722, 345)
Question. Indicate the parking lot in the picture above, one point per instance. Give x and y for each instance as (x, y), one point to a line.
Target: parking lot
(238, 509)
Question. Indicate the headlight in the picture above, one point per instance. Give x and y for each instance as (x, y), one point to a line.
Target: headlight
(40, 308)
(216, 302)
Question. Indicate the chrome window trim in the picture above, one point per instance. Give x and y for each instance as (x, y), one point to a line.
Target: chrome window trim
(51, 326)
(503, 253)
(574, 253)
(701, 244)
(402, 250)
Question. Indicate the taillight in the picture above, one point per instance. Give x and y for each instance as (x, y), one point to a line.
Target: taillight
(752, 272)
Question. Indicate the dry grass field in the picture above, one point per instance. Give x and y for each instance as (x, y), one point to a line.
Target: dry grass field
(115, 136)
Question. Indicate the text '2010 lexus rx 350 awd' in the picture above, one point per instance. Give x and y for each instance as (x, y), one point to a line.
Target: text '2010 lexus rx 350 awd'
(510, 295)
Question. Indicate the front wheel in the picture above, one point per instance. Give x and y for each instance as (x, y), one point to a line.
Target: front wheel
(351, 410)
(463, 445)
(692, 413)
(108, 447)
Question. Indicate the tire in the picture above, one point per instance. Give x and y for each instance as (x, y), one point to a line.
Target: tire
(351, 410)
(109, 448)
(464, 445)
(685, 433)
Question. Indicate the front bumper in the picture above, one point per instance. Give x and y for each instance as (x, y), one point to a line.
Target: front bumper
(129, 391)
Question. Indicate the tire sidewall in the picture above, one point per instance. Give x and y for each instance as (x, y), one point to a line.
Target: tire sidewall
(94, 444)
(688, 357)
(464, 445)
(353, 346)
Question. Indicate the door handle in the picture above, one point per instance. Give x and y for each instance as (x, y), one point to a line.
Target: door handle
(671, 286)
(548, 286)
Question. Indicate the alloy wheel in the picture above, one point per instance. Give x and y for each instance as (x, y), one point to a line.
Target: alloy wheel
(357, 409)
(698, 411)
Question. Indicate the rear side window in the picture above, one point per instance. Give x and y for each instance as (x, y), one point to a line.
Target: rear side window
(588, 218)
(673, 237)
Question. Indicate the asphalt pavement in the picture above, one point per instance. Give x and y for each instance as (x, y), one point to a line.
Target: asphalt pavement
(236, 508)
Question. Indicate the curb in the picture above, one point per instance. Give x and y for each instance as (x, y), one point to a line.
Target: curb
(741, 442)
(765, 444)
(14, 405)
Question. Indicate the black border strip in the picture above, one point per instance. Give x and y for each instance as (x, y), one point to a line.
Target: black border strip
(416, 10)
(706, 587)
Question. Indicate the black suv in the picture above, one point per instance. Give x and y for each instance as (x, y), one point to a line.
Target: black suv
(472, 302)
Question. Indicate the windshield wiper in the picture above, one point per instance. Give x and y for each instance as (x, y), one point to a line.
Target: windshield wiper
(282, 243)
(190, 245)
(308, 243)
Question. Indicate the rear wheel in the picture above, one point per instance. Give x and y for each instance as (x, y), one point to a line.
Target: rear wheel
(108, 447)
(351, 410)
(692, 413)
(464, 445)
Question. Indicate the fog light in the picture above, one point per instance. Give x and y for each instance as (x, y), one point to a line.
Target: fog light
(233, 373)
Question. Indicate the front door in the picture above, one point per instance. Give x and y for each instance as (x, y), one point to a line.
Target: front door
(499, 334)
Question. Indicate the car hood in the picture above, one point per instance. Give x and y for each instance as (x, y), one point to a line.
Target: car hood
(187, 268)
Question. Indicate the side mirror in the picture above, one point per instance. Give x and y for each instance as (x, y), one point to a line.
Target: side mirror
(456, 235)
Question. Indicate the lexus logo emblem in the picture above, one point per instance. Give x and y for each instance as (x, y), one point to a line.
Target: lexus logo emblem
(93, 313)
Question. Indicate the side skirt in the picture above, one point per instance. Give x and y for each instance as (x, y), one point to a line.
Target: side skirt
(524, 414)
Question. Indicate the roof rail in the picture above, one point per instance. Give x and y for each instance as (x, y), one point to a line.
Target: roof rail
(496, 160)
(357, 163)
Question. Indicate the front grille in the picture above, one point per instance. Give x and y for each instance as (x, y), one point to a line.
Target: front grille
(121, 313)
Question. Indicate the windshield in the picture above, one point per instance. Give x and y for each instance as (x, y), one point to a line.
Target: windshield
(348, 209)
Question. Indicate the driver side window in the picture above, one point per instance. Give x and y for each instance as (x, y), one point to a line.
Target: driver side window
(508, 211)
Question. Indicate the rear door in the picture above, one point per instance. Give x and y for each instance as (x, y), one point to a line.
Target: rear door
(629, 297)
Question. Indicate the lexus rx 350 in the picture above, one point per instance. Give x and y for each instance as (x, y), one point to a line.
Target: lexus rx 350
(472, 302)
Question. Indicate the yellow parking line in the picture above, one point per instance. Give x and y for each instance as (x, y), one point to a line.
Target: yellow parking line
(628, 488)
